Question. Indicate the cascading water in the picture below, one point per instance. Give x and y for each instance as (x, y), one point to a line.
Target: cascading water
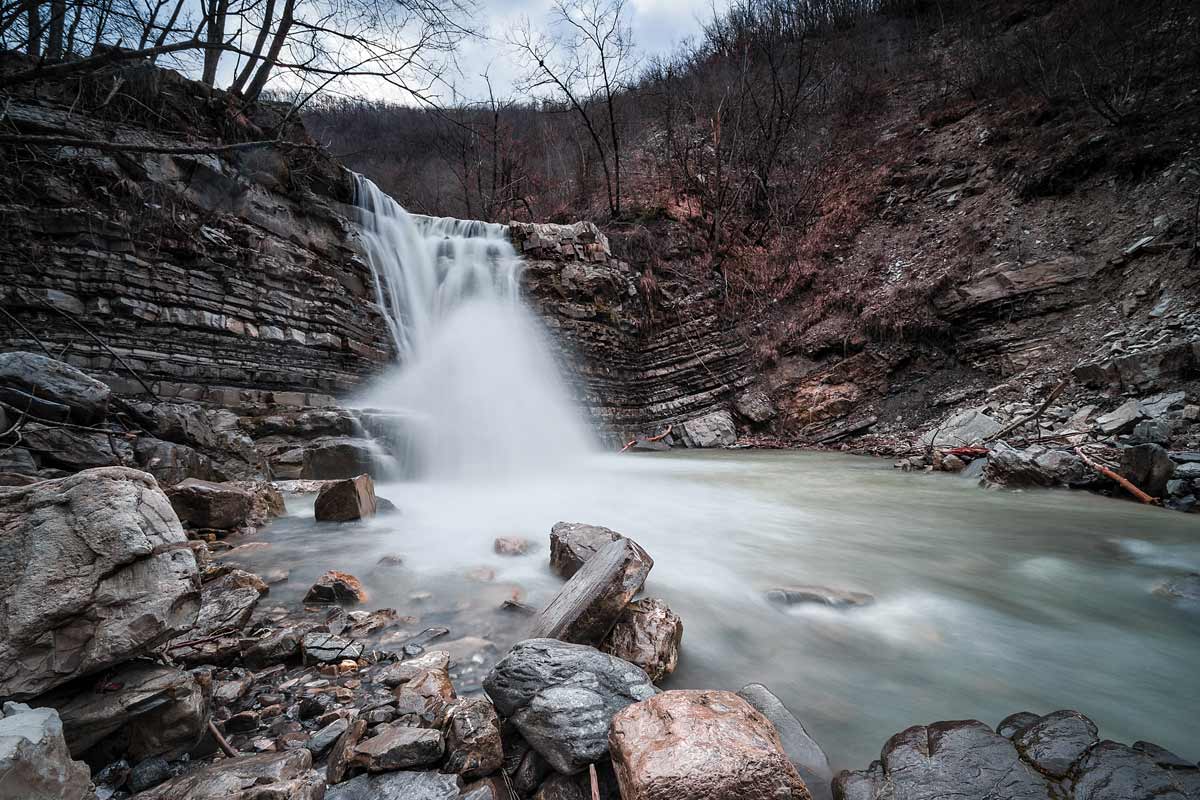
(476, 380)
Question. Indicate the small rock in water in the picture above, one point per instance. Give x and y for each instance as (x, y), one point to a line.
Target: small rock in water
(511, 546)
(346, 500)
(1186, 587)
(819, 595)
(336, 587)
(482, 574)
(390, 560)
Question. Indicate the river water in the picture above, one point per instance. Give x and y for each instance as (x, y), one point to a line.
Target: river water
(988, 602)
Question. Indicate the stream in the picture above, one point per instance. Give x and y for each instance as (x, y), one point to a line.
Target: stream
(988, 602)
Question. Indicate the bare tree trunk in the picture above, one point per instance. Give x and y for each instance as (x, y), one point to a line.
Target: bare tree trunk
(217, 13)
(166, 31)
(33, 37)
(281, 34)
(259, 43)
(54, 42)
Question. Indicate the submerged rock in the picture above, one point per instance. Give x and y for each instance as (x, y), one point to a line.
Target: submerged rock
(337, 587)
(1186, 587)
(589, 604)
(819, 595)
(345, 501)
(511, 546)
(700, 745)
(35, 763)
(802, 750)
(648, 633)
(124, 578)
(573, 543)
(562, 696)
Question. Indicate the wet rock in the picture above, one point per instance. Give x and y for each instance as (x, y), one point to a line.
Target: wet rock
(398, 747)
(72, 451)
(227, 602)
(1034, 466)
(425, 699)
(242, 722)
(562, 696)
(589, 604)
(337, 587)
(140, 709)
(473, 745)
(700, 745)
(1011, 725)
(754, 405)
(1056, 741)
(1163, 757)
(395, 674)
(343, 750)
(52, 390)
(819, 595)
(1148, 467)
(323, 739)
(1151, 431)
(573, 543)
(124, 578)
(511, 546)
(1120, 420)
(397, 786)
(270, 775)
(34, 759)
(346, 500)
(952, 463)
(1158, 405)
(802, 750)
(16, 461)
(715, 429)
(149, 772)
(945, 759)
(325, 648)
(1112, 771)
(171, 463)
(205, 504)
(966, 428)
(229, 692)
(648, 634)
(1185, 587)
(338, 459)
(274, 646)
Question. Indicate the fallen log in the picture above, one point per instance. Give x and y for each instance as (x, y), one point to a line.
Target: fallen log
(1108, 473)
(635, 440)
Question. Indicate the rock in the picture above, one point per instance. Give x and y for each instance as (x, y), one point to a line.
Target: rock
(73, 451)
(1186, 587)
(336, 587)
(946, 759)
(511, 546)
(17, 461)
(562, 696)
(1034, 466)
(274, 646)
(52, 390)
(287, 776)
(404, 671)
(589, 604)
(324, 648)
(204, 504)
(952, 463)
(1158, 405)
(715, 429)
(573, 543)
(1013, 724)
(35, 763)
(754, 405)
(473, 746)
(171, 463)
(140, 709)
(149, 772)
(347, 500)
(425, 700)
(227, 602)
(125, 580)
(1151, 431)
(397, 786)
(966, 428)
(1055, 742)
(228, 692)
(648, 634)
(700, 745)
(1188, 471)
(1148, 467)
(802, 750)
(398, 747)
(323, 739)
(343, 750)
(1112, 771)
(819, 595)
(1120, 420)
(338, 459)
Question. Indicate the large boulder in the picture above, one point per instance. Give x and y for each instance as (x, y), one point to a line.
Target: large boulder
(802, 750)
(1148, 467)
(35, 763)
(1113, 771)
(338, 459)
(715, 429)
(562, 696)
(52, 390)
(141, 709)
(171, 463)
(1054, 743)
(573, 543)
(589, 604)
(1035, 466)
(73, 450)
(267, 776)
(205, 504)
(473, 746)
(964, 759)
(648, 633)
(700, 745)
(124, 579)
(346, 500)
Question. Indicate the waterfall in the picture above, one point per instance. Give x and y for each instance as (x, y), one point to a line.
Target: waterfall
(475, 383)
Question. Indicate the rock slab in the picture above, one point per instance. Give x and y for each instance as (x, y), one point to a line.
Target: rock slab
(35, 763)
(346, 500)
(573, 543)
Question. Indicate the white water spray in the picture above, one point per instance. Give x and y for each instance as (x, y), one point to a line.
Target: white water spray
(476, 379)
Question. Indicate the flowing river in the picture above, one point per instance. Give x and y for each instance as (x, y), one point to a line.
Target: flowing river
(987, 602)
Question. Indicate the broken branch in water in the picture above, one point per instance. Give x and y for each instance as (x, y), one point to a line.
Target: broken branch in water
(635, 440)
(1108, 473)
